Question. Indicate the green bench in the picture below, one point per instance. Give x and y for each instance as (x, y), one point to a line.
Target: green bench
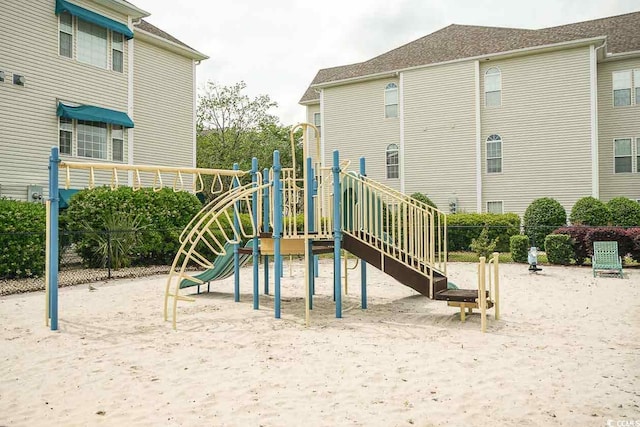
(606, 259)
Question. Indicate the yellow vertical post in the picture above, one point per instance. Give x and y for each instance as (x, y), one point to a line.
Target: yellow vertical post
(346, 274)
(482, 294)
(496, 278)
(47, 248)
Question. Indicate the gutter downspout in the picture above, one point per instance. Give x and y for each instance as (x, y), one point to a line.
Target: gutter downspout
(593, 77)
(478, 140)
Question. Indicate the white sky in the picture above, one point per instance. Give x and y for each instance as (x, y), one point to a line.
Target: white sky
(277, 46)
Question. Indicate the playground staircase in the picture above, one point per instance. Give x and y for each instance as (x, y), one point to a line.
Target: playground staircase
(396, 234)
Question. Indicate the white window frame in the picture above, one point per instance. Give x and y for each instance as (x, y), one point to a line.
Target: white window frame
(117, 134)
(115, 49)
(493, 141)
(388, 90)
(110, 45)
(497, 74)
(65, 125)
(629, 87)
(391, 148)
(109, 141)
(495, 201)
(60, 31)
(631, 155)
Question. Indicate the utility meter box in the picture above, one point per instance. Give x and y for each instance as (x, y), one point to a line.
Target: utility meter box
(34, 194)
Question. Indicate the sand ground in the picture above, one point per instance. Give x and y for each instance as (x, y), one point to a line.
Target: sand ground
(566, 352)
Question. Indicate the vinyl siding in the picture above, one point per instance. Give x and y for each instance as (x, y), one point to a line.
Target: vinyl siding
(618, 122)
(311, 136)
(544, 122)
(163, 107)
(28, 123)
(354, 123)
(439, 117)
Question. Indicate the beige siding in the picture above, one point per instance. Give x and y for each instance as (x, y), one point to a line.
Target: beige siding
(618, 122)
(545, 125)
(28, 123)
(311, 136)
(354, 124)
(439, 105)
(163, 107)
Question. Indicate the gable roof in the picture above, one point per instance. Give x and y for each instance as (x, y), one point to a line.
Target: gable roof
(466, 41)
(157, 32)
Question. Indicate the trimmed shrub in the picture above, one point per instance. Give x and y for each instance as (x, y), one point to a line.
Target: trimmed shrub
(462, 228)
(424, 199)
(578, 242)
(22, 239)
(160, 216)
(624, 212)
(634, 236)
(590, 211)
(519, 248)
(542, 217)
(558, 248)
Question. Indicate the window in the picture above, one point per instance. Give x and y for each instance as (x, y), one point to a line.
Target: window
(117, 49)
(66, 135)
(393, 168)
(391, 101)
(636, 85)
(622, 155)
(621, 88)
(92, 44)
(92, 139)
(494, 154)
(317, 121)
(117, 143)
(66, 34)
(494, 207)
(492, 87)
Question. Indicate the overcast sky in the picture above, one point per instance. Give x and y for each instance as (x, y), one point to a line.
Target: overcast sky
(277, 46)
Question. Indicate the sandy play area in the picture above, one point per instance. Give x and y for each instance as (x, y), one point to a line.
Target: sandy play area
(566, 352)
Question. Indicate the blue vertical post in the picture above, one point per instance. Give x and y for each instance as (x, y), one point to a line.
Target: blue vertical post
(54, 161)
(337, 234)
(265, 225)
(254, 215)
(236, 236)
(310, 227)
(363, 264)
(277, 229)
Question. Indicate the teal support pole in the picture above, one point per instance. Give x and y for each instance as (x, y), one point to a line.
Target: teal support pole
(254, 214)
(265, 225)
(337, 234)
(236, 247)
(54, 199)
(363, 264)
(277, 229)
(311, 228)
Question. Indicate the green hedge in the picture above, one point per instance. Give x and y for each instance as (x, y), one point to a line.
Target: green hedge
(22, 239)
(542, 217)
(558, 248)
(157, 217)
(519, 247)
(624, 212)
(462, 228)
(590, 211)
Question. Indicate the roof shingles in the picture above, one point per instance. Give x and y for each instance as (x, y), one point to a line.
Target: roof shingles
(465, 41)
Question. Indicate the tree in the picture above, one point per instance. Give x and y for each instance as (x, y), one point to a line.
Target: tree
(233, 128)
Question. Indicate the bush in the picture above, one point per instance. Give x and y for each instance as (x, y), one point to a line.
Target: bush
(609, 234)
(558, 248)
(424, 199)
(542, 217)
(634, 236)
(624, 212)
(519, 248)
(590, 211)
(482, 246)
(462, 228)
(160, 215)
(578, 242)
(22, 239)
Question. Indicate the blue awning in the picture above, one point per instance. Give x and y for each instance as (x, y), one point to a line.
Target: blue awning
(95, 18)
(91, 113)
(65, 196)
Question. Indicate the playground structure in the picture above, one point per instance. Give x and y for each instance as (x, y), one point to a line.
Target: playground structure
(341, 209)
